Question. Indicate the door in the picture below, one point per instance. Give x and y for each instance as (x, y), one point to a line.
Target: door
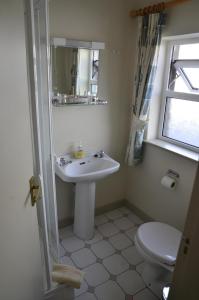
(20, 256)
(186, 274)
(39, 62)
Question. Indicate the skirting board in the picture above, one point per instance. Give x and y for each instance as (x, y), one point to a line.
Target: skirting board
(108, 207)
(138, 212)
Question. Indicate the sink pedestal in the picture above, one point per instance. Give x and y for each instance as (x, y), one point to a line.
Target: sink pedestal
(84, 210)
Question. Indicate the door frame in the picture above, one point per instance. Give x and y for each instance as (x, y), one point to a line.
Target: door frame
(185, 278)
(38, 61)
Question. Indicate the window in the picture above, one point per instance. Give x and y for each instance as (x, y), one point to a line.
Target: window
(179, 122)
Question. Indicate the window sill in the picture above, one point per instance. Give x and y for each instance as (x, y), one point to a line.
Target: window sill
(175, 149)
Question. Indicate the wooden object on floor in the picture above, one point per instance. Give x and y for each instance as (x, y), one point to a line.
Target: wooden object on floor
(68, 275)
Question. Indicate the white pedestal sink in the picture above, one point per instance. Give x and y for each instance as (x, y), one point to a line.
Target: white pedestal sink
(84, 172)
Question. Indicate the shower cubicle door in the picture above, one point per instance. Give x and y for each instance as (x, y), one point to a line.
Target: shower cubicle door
(36, 13)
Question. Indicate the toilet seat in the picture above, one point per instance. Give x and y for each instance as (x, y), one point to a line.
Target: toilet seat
(160, 241)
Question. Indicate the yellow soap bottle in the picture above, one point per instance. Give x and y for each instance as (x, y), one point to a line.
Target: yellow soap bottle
(79, 153)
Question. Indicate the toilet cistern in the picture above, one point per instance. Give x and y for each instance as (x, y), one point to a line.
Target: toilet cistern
(84, 172)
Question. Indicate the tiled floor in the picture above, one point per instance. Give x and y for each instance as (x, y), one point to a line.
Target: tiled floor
(110, 260)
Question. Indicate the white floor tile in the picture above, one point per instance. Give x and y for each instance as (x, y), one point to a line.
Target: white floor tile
(96, 274)
(72, 244)
(131, 282)
(83, 289)
(108, 229)
(123, 223)
(109, 291)
(66, 261)
(132, 256)
(120, 241)
(140, 268)
(115, 264)
(86, 296)
(131, 233)
(66, 232)
(102, 249)
(101, 219)
(97, 237)
(135, 219)
(114, 214)
(125, 210)
(83, 258)
(62, 251)
(145, 295)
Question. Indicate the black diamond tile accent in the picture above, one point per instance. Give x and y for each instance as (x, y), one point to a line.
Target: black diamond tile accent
(129, 297)
(113, 277)
(91, 289)
(67, 254)
(99, 260)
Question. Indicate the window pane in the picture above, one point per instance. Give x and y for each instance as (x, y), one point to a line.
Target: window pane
(193, 76)
(181, 121)
(177, 80)
(188, 51)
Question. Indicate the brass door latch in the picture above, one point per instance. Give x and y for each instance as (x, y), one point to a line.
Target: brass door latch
(35, 189)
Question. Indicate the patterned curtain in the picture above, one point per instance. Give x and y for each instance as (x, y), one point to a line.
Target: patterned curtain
(149, 37)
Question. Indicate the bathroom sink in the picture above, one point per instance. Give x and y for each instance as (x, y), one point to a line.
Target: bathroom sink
(84, 173)
(90, 168)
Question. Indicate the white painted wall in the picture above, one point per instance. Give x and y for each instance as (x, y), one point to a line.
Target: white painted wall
(102, 127)
(20, 261)
(107, 127)
(144, 189)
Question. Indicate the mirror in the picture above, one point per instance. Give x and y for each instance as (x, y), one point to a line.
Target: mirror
(75, 71)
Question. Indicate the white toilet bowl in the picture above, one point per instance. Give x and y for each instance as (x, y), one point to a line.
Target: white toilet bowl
(158, 244)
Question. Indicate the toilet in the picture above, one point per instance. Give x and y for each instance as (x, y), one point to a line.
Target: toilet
(158, 244)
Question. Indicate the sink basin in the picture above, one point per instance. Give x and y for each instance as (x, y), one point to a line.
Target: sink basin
(89, 168)
(84, 172)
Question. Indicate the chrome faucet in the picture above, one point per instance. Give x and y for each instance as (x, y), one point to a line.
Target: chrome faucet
(63, 161)
(99, 154)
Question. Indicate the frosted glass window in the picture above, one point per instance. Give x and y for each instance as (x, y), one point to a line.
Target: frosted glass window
(181, 121)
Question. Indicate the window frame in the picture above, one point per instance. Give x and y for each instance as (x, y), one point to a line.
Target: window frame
(166, 93)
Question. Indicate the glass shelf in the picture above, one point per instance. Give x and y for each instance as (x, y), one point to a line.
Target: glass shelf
(77, 102)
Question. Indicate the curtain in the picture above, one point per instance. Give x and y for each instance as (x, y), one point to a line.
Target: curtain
(149, 37)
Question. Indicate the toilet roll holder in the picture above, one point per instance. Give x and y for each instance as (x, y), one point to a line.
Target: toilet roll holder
(173, 174)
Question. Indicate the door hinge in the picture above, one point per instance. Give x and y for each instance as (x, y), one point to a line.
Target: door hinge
(35, 189)
(186, 242)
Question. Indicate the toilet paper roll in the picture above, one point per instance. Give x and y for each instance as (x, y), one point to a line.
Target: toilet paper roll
(168, 182)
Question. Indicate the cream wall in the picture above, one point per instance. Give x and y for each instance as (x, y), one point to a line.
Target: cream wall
(101, 127)
(144, 189)
(107, 127)
(20, 258)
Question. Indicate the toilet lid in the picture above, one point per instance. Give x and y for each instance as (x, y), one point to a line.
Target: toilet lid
(160, 241)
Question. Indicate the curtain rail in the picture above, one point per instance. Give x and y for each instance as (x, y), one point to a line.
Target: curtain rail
(156, 8)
